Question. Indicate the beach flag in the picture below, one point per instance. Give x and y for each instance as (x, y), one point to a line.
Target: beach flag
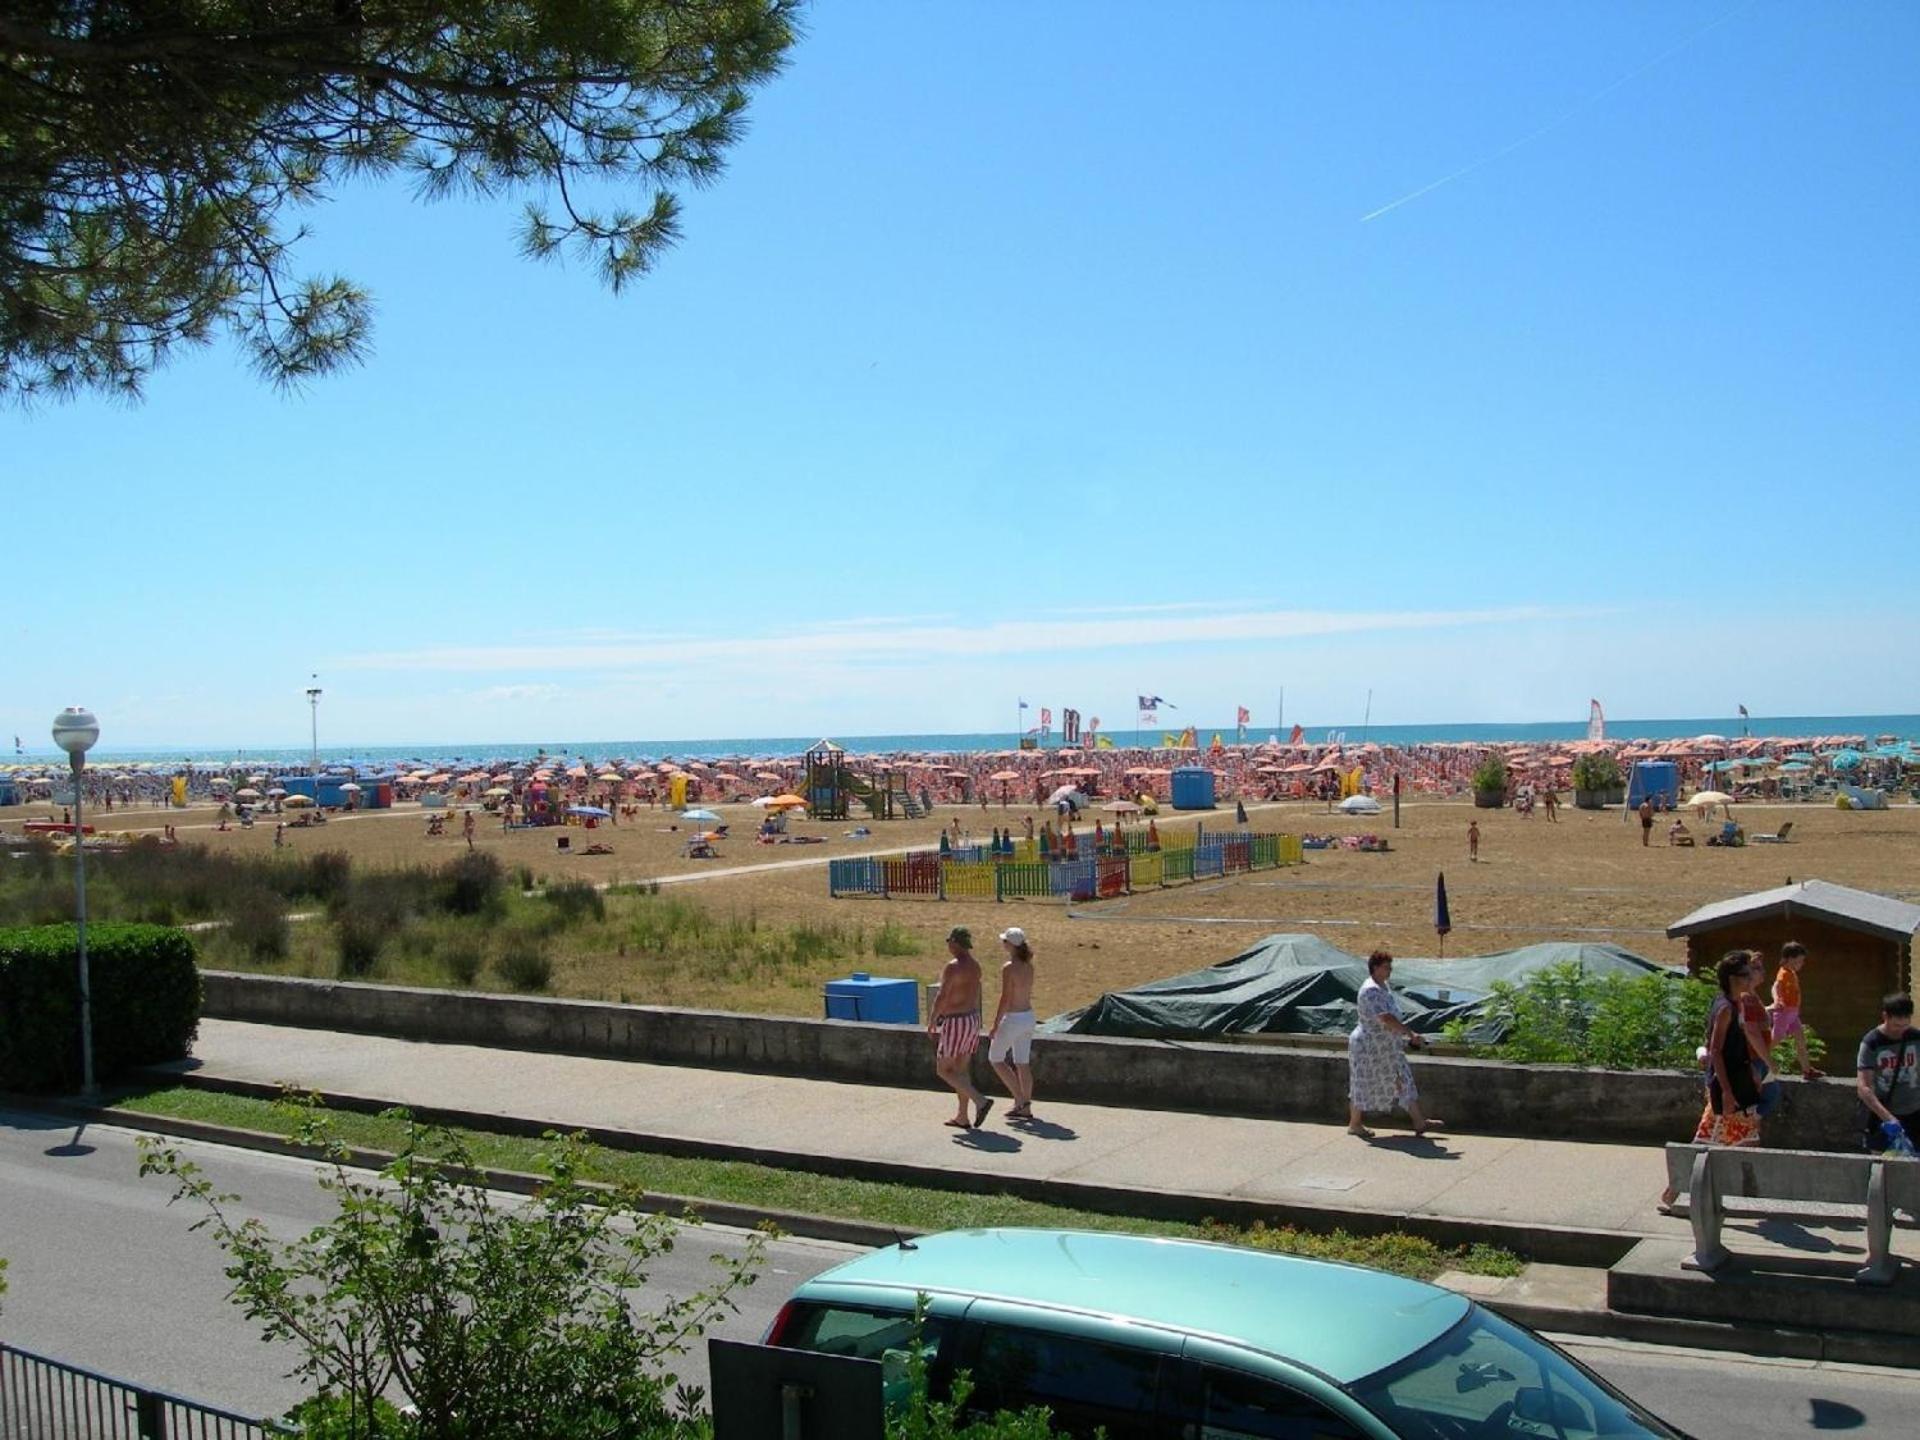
(1025, 706)
(1298, 737)
(1442, 917)
(1246, 717)
(1154, 702)
(1743, 712)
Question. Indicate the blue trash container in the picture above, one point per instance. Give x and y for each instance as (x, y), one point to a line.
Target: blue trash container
(870, 997)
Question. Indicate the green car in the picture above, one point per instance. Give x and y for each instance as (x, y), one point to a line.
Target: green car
(1176, 1338)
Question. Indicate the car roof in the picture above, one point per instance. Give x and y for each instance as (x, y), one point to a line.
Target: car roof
(1341, 1320)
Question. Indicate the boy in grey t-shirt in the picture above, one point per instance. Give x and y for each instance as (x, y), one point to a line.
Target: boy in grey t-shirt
(1888, 1068)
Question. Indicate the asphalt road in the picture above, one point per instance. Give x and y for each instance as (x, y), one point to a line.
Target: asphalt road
(105, 1274)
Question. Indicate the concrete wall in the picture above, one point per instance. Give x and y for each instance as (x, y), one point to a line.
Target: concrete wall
(1264, 1081)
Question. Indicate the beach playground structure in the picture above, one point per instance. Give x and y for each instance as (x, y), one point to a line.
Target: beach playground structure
(1125, 864)
(831, 786)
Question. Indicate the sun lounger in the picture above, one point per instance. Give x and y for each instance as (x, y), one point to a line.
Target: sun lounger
(1779, 839)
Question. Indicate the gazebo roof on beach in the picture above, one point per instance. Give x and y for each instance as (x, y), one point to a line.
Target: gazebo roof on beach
(1838, 904)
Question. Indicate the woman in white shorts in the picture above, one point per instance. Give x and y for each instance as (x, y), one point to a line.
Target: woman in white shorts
(1010, 1041)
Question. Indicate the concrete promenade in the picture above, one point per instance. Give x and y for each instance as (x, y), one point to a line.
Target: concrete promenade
(1501, 1182)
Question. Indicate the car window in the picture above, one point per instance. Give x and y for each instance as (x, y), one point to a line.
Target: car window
(1487, 1375)
(1233, 1405)
(1086, 1384)
(862, 1334)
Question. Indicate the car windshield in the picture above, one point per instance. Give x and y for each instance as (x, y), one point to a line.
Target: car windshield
(1487, 1379)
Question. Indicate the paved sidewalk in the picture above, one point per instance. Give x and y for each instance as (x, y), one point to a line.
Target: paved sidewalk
(1459, 1177)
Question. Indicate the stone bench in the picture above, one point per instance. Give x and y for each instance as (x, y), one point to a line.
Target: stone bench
(1807, 1186)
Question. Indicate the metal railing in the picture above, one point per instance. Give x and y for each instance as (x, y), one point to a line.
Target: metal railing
(44, 1399)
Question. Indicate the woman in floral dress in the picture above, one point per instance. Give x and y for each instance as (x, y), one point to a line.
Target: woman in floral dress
(1379, 1077)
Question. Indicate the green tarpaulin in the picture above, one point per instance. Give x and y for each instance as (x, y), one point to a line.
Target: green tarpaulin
(1301, 985)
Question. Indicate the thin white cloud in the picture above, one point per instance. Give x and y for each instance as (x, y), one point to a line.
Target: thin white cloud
(906, 644)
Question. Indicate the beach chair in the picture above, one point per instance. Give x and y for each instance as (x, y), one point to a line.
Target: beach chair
(1777, 839)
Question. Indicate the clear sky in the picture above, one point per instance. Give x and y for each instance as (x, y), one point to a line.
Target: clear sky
(1049, 350)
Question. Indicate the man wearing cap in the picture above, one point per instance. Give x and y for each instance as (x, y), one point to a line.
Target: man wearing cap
(1010, 1041)
(954, 1023)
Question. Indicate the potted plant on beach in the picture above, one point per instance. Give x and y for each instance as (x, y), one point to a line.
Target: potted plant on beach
(1490, 784)
(1597, 782)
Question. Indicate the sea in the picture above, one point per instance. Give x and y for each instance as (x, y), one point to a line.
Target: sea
(449, 753)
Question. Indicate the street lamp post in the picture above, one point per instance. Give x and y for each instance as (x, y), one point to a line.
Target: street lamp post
(313, 700)
(74, 731)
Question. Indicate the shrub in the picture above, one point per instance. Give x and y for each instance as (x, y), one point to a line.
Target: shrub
(489, 1321)
(329, 873)
(1597, 772)
(1563, 1015)
(471, 884)
(524, 963)
(461, 958)
(576, 900)
(146, 1002)
(257, 924)
(1490, 774)
(360, 937)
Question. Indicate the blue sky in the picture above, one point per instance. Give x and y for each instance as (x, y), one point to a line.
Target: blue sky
(1046, 350)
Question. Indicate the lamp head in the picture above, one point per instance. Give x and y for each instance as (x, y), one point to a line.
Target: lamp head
(74, 731)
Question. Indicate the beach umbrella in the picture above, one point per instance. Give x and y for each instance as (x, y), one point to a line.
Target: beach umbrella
(1844, 759)
(351, 788)
(275, 792)
(1005, 777)
(1442, 916)
(495, 793)
(787, 802)
(296, 802)
(248, 794)
(1707, 799)
(1795, 766)
(1121, 807)
(1360, 805)
(704, 815)
(591, 812)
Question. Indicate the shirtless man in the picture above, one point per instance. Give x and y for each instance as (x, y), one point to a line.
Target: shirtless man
(1010, 1041)
(954, 1023)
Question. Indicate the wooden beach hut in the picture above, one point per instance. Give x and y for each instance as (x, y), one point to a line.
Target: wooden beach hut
(1859, 947)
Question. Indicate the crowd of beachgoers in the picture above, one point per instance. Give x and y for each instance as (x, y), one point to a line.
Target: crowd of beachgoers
(1267, 771)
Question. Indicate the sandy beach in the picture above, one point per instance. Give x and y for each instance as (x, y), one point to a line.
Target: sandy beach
(1585, 877)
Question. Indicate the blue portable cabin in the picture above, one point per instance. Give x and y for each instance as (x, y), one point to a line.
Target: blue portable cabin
(1192, 788)
(1655, 780)
(8, 795)
(376, 792)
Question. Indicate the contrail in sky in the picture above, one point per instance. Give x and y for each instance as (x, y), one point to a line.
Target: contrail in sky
(1563, 117)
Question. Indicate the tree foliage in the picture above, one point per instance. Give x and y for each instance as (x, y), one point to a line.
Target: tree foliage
(494, 1322)
(150, 149)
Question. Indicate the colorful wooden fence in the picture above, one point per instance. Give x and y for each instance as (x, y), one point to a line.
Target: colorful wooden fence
(972, 880)
(974, 873)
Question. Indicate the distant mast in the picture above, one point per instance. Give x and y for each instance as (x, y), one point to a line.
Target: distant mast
(1596, 721)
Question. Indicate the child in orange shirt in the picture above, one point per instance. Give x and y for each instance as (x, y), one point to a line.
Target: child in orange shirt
(1785, 1012)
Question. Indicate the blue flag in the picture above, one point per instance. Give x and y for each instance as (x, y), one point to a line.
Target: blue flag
(1442, 919)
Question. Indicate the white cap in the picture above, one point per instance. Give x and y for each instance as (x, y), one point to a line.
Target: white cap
(1013, 936)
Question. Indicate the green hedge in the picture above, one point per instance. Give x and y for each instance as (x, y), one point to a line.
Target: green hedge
(146, 1002)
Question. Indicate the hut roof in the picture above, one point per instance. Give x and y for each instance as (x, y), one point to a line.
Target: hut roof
(1815, 899)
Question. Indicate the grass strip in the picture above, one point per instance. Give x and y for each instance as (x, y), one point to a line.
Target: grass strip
(906, 1206)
